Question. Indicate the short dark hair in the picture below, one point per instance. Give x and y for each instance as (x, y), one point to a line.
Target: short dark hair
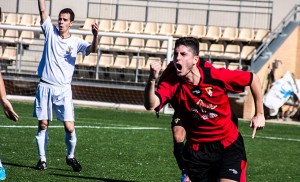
(190, 42)
(69, 11)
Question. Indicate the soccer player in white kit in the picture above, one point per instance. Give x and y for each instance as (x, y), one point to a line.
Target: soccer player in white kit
(54, 89)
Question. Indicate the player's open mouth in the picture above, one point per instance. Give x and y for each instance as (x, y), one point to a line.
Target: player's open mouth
(178, 66)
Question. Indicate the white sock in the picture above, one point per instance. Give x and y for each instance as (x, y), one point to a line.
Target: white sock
(70, 140)
(0, 163)
(42, 140)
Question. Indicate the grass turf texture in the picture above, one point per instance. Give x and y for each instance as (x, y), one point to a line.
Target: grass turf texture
(116, 146)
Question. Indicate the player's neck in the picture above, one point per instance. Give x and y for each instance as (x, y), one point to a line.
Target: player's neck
(193, 76)
(65, 35)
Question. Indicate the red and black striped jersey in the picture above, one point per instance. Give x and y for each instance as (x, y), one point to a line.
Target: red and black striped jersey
(204, 108)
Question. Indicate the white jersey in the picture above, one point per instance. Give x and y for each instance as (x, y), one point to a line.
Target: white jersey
(58, 61)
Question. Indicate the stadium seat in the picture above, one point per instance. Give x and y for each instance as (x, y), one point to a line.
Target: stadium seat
(152, 45)
(120, 26)
(37, 21)
(229, 34)
(247, 52)
(90, 60)
(136, 44)
(26, 37)
(261, 35)
(136, 27)
(9, 55)
(121, 62)
(216, 50)
(106, 42)
(10, 36)
(121, 44)
(219, 64)
(151, 28)
(1, 33)
(213, 33)
(149, 61)
(12, 19)
(245, 35)
(106, 60)
(203, 49)
(198, 31)
(89, 38)
(167, 29)
(88, 23)
(182, 30)
(105, 25)
(233, 66)
(137, 62)
(27, 20)
(232, 51)
(79, 59)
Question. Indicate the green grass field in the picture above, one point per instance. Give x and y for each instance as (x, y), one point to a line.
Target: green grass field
(121, 146)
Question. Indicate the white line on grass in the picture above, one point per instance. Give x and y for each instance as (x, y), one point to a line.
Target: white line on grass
(91, 127)
(276, 138)
(138, 128)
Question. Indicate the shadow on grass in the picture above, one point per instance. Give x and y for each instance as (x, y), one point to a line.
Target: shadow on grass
(31, 167)
(90, 178)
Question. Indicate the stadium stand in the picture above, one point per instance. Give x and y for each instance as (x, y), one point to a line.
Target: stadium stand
(245, 35)
(79, 59)
(11, 19)
(136, 44)
(233, 66)
(26, 37)
(152, 45)
(203, 49)
(229, 34)
(120, 44)
(105, 25)
(167, 29)
(215, 51)
(10, 36)
(198, 31)
(182, 30)
(106, 60)
(149, 61)
(9, 55)
(121, 62)
(260, 35)
(213, 33)
(89, 61)
(137, 62)
(247, 52)
(151, 28)
(106, 42)
(120, 26)
(27, 20)
(232, 51)
(88, 23)
(136, 27)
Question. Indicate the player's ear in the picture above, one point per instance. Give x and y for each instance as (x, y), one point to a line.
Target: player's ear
(195, 59)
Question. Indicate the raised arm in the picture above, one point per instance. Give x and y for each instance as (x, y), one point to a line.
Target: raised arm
(6, 105)
(258, 120)
(151, 101)
(42, 10)
(94, 46)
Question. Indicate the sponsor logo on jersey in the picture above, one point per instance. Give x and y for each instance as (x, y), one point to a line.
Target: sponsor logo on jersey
(209, 90)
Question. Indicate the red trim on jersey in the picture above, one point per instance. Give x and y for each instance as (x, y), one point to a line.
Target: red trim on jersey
(204, 108)
(243, 173)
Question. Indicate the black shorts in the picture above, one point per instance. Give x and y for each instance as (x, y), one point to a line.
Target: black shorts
(212, 162)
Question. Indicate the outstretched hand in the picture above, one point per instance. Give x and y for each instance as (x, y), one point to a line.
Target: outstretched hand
(9, 111)
(257, 123)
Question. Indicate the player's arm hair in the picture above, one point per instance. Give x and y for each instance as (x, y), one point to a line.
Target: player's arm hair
(42, 10)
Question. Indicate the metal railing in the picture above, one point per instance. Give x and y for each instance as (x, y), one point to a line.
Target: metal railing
(291, 16)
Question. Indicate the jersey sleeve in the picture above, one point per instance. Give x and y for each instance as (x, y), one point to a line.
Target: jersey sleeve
(47, 26)
(236, 80)
(166, 86)
(82, 46)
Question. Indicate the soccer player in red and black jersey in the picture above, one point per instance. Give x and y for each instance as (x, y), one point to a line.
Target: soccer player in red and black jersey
(197, 91)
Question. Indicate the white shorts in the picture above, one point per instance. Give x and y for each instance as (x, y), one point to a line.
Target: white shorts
(50, 97)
